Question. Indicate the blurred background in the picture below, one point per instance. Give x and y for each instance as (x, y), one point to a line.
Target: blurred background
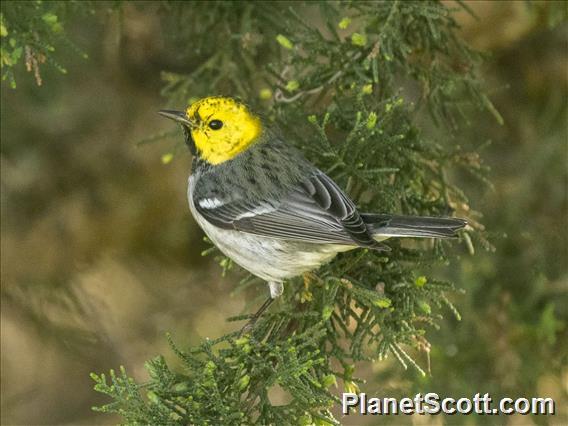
(100, 255)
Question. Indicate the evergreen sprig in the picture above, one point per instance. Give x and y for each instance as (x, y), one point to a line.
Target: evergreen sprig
(347, 83)
(32, 31)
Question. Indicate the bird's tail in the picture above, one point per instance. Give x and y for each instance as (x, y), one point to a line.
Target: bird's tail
(384, 226)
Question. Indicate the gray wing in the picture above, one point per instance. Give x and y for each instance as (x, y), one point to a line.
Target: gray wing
(315, 210)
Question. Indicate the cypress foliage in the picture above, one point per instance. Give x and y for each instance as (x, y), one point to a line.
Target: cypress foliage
(360, 88)
(32, 31)
(349, 84)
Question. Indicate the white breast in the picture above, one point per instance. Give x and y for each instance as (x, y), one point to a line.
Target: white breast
(271, 259)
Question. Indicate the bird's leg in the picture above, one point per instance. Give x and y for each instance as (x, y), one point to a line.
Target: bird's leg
(252, 321)
(276, 290)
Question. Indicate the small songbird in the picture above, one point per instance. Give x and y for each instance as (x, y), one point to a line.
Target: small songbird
(268, 208)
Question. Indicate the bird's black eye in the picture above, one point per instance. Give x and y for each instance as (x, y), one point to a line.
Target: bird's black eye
(215, 124)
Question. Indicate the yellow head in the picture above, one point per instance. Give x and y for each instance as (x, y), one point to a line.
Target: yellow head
(221, 128)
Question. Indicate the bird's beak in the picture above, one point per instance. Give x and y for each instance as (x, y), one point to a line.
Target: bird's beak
(181, 118)
(178, 116)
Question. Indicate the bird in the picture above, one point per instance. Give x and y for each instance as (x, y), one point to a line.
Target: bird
(268, 208)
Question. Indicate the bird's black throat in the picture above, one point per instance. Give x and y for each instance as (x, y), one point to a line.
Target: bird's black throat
(189, 140)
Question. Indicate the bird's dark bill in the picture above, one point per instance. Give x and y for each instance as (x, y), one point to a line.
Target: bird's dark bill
(178, 116)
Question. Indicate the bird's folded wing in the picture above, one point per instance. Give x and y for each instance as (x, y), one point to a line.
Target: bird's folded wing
(315, 210)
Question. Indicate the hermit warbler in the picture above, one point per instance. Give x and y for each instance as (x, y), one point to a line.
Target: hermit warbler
(268, 208)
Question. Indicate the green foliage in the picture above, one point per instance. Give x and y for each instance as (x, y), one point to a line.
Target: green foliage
(230, 383)
(32, 31)
(348, 83)
(517, 295)
(376, 94)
